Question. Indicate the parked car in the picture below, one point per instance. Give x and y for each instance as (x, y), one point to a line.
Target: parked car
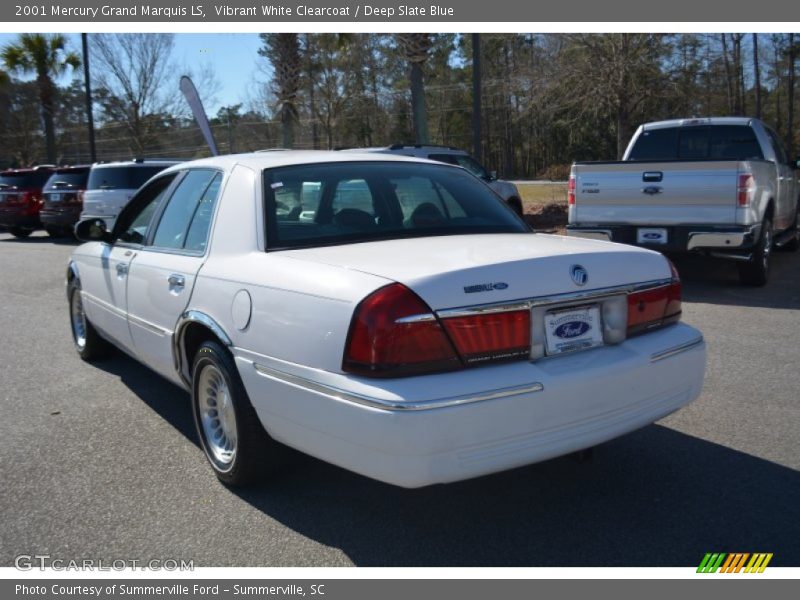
(721, 186)
(455, 156)
(111, 185)
(21, 199)
(415, 332)
(63, 199)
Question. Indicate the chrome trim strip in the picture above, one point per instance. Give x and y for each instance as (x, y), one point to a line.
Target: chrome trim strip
(157, 329)
(676, 349)
(555, 299)
(392, 405)
(421, 318)
(103, 304)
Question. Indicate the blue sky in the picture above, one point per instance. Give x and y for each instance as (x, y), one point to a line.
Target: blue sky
(233, 57)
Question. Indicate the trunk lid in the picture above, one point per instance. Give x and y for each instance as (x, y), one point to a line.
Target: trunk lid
(465, 270)
(656, 193)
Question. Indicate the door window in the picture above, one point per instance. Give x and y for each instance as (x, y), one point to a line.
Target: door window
(186, 219)
(134, 220)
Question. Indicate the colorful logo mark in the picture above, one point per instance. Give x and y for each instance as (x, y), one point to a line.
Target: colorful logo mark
(735, 562)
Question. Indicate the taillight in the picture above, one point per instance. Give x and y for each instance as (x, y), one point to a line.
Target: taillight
(746, 189)
(655, 307)
(393, 333)
(491, 337)
(571, 190)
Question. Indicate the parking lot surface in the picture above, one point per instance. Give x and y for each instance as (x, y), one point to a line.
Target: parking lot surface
(101, 461)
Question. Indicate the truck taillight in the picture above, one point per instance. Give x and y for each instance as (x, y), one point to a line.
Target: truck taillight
(655, 307)
(571, 190)
(394, 333)
(746, 189)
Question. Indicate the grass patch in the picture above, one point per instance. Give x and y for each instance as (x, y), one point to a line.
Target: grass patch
(536, 195)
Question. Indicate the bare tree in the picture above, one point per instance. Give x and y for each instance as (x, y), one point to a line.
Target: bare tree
(135, 74)
(791, 55)
(757, 75)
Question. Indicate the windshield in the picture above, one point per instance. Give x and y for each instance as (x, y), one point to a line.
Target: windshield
(715, 142)
(123, 178)
(67, 180)
(339, 203)
(26, 179)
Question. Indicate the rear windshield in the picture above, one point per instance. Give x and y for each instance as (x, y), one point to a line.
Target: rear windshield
(121, 178)
(27, 179)
(461, 160)
(339, 203)
(715, 142)
(74, 179)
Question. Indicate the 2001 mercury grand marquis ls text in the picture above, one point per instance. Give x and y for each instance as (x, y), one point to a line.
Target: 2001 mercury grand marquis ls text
(386, 314)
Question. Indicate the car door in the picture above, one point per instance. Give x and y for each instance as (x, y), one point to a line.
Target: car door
(162, 276)
(104, 271)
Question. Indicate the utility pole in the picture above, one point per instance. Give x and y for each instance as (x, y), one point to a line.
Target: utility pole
(476, 97)
(88, 86)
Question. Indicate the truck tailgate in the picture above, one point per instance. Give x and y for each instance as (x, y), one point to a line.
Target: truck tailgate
(656, 193)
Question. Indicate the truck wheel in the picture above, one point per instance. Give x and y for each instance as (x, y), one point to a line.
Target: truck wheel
(236, 445)
(20, 232)
(755, 272)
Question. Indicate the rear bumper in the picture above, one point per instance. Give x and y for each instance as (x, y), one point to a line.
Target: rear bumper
(680, 238)
(441, 428)
(11, 218)
(60, 217)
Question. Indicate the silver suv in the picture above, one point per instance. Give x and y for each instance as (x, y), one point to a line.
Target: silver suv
(455, 156)
(111, 185)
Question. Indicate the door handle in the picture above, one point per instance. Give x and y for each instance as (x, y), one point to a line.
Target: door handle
(122, 269)
(176, 281)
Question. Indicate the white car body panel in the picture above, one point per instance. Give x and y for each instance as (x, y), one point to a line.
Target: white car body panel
(410, 431)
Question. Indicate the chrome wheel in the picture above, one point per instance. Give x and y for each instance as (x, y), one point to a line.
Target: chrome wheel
(767, 248)
(78, 319)
(217, 415)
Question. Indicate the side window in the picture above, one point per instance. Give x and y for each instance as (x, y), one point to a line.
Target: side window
(197, 238)
(173, 227)
(134, 221)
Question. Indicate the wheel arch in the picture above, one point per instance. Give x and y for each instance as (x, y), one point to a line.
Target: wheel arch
(193, 328)
(73, 276)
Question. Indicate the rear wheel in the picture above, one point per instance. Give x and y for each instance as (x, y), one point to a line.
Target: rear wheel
(20, 232)
(236, 445)
(756, 271)
(88, 343)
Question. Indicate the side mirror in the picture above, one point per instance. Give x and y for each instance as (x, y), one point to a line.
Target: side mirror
(92, 230)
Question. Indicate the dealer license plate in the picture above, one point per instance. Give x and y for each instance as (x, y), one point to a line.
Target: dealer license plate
(573, 329)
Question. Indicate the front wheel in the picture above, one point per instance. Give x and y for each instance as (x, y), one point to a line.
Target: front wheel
(236, 445)
(755, 271)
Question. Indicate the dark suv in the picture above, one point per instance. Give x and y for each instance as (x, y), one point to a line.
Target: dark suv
(63, 199)
(21, 199)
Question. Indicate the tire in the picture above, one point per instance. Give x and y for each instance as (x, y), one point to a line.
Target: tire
(88, 343)
(54, 232)
(755, 272)
(236, 445)
(20, 232)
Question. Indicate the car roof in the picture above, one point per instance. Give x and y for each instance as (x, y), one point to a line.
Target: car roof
(284, 158)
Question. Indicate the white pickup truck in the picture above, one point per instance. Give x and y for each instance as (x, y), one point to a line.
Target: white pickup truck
(720, 186)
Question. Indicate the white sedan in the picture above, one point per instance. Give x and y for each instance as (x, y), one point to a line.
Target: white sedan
(386, 314)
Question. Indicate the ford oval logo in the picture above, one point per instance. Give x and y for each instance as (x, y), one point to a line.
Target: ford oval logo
(572, 329)
(652, 236)
(579, 275)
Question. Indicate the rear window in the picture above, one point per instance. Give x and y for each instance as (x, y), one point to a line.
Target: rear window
(27, 179)
(716, 142)
(121, 178)
(462, 160)
(339, 203)
(66, 180)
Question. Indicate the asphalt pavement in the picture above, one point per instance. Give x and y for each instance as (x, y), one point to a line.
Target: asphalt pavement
(101, 461)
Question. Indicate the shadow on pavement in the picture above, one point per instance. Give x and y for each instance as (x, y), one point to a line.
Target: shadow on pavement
(656, 497)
